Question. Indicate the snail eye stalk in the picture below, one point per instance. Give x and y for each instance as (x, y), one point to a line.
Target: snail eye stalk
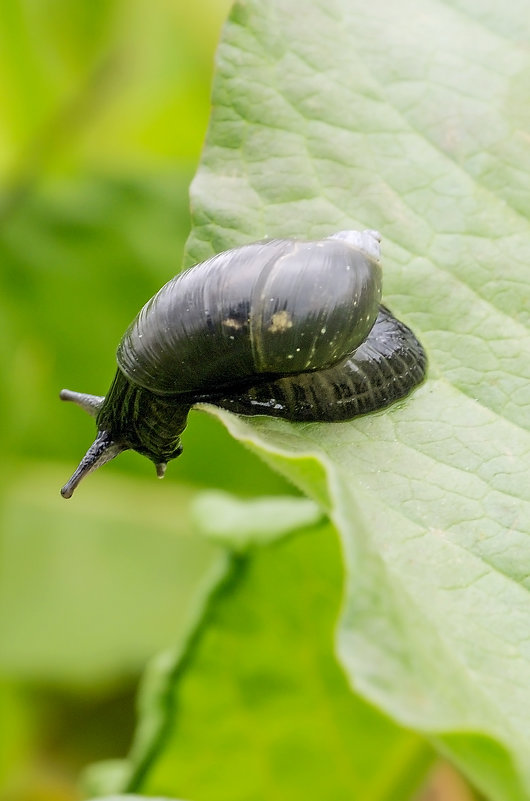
(102, 450)
(89, 403)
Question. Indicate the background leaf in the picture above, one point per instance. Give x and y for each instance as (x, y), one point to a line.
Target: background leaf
(110, 564)
(240, 524)
(131, 798)
(260, 693)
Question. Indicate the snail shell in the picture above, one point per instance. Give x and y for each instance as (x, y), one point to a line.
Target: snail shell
(268, 308)
(283, 327)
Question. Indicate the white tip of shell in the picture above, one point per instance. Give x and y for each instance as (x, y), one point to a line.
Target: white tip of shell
(368, 241)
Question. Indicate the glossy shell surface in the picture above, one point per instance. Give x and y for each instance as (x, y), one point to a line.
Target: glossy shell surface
(271, 308)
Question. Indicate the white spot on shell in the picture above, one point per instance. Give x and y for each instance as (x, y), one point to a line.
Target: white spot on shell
(230, 322)
(280, 322)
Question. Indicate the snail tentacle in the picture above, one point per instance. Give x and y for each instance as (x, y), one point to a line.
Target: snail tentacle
(102, 450)
(89, 403)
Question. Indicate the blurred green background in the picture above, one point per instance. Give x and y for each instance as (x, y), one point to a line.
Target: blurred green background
(103, 110)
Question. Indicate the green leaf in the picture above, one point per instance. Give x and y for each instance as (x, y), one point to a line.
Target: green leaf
(90, 589)
(258, 707)
(409, 118)
(238, 524)
(133, 798)
(111, 84)
(16, 735)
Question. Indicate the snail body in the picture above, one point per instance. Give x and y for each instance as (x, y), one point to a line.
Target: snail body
(284, 327)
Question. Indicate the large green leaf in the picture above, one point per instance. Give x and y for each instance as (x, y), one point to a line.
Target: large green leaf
(410, 118)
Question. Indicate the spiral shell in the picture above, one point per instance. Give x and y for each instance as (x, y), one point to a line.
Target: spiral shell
(269, 308)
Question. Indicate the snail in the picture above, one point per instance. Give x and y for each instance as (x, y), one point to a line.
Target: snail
(283, 327)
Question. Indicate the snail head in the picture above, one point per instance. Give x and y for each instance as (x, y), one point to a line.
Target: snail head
(127, 419)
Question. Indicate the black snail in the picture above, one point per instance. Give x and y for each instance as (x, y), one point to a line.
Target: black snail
(283, 327)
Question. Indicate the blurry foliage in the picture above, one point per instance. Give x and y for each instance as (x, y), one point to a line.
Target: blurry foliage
(111, 563)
